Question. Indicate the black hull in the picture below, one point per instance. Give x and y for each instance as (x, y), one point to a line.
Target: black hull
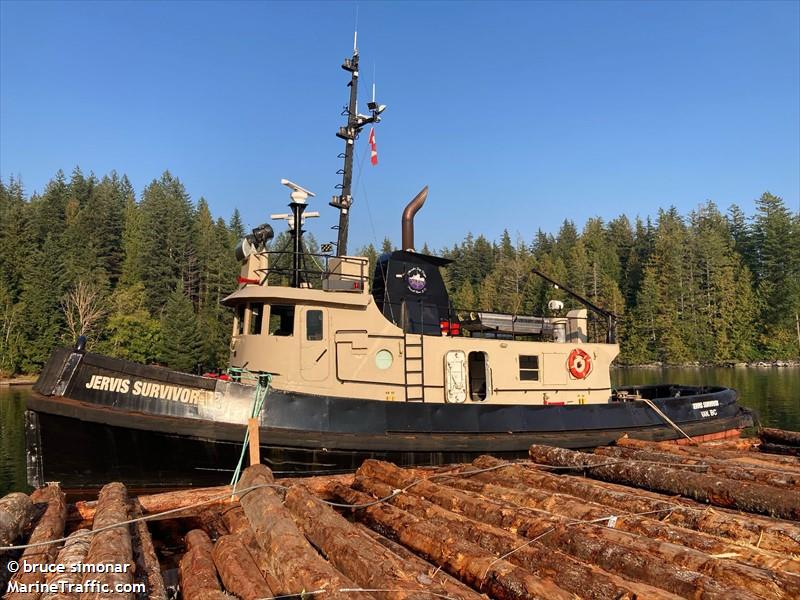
(86, 437)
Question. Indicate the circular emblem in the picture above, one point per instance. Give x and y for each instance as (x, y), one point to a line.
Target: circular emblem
(383, 359)
(416, 280)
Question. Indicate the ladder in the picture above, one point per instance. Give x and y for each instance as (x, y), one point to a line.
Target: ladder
(414, 362)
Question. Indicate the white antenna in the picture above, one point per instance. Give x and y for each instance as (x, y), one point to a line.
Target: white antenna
(373, 83)
(355, 34)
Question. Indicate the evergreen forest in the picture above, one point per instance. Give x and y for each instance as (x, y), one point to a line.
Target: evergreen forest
(142, 276)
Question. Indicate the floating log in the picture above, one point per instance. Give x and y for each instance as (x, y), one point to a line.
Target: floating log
(290, 557)
(236, 522)
(482, 570)
(751, 458)
(647, 526)
(748, 530)
(198, 575)
(238, 570)
(439, 580)
(49, 527)
(779, 436)
(535, 557)
(15, 511)
(783, 449)
(751, 497)
(71, 554)
(613, 550)
(766, 476)
(111, 546)
(366, 562)
(148, 569)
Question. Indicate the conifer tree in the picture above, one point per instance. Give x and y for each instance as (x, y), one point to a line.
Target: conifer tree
(180, 339)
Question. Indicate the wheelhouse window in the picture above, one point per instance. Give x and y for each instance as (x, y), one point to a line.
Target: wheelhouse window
(281, 320)
(256, 318)
(239, 325)
(528, 368)
(314, 325)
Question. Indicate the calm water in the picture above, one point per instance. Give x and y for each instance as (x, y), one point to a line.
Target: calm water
(774, 393)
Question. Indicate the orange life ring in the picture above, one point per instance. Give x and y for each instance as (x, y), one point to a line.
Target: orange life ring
(579, 363)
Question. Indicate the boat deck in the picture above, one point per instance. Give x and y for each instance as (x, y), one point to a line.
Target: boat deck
(634, 520)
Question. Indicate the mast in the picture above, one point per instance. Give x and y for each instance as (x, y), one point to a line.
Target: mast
(349, 133)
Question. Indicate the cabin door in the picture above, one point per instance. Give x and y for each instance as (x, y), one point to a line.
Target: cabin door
(315, 352)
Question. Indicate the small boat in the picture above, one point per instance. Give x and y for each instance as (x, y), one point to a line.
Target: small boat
(336, 366)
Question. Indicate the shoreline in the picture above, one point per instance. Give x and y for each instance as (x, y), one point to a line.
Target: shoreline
(756, 364)
(18, 381)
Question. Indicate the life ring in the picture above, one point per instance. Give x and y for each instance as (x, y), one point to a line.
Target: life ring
(579, 363)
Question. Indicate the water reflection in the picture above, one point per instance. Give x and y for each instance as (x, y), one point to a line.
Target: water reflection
(773, 392)
(12, 440)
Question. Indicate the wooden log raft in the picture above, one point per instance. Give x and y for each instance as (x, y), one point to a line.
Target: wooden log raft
(15, 511)
(613, 550)
(148, 569)
(469, 562)
(779, 436)
(708, 465)
(290, 557)
(72, 553)
(552, 565)
(49, 527)
(198, 575)
(750, 497)
(238, 570)
(741, 529)
(364, 561)
(647, 526)
(112, 546)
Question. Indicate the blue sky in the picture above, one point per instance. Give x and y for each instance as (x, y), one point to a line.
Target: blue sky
(518, 115)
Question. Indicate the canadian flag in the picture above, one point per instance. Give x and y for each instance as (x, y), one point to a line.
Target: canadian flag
(373, 148)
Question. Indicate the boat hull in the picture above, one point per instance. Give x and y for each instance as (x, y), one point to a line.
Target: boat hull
(83, 436)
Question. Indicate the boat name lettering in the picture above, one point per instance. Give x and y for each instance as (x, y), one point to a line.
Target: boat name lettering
(147, 389)
(706, 404)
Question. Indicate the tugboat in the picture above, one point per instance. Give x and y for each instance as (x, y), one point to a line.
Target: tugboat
(338, 367)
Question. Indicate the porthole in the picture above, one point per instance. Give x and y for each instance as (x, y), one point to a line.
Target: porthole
(383, 359)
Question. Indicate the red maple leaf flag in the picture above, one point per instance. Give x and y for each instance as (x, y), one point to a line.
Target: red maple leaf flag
(373, 148)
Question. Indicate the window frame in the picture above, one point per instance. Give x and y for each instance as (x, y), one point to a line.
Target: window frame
(318, 337)
(274, 332)
(529, 373)
(256, 318)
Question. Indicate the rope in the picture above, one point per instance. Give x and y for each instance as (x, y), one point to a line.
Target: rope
(262, 389)
(666, 418)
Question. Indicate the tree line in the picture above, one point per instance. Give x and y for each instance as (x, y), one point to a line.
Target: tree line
(142, 277)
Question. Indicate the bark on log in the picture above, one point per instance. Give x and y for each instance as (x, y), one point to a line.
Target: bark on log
(741, 529)
(216, 498)
(291, 558)
(780, 436)
(49, 527)
(237, 523)
(439, 581)
(72, 553)
(585, 580)
(750, 497)
(366, 562)
(319, 485)
(238, 570)
(469, 562)
(15, 511)
(198, 575)
(112, 546)
(647, 526)
(696, 464)
(615, 551)
(148, 569)
(752, 458)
